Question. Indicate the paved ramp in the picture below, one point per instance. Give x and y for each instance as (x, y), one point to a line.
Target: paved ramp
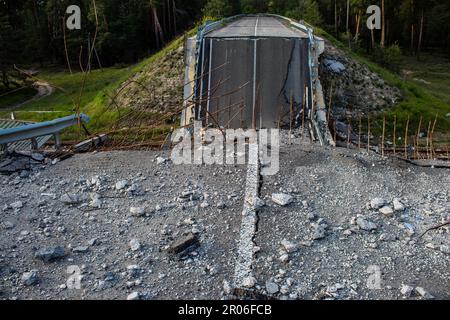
(255, 26)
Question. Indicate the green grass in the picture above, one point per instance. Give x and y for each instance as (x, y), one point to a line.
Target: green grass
(15, 97)
(95, 101)
(420, 99)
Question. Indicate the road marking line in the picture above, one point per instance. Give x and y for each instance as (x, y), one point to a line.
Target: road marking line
(256, 27)
(243, 269)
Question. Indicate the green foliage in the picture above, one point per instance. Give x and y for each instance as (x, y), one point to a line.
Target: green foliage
(429, 100)
(389, 57)
(218, 9)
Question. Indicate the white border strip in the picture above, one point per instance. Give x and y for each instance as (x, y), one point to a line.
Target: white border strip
(243, 274)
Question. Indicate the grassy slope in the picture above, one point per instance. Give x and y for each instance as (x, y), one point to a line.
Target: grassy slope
(419, 99)
(95, 99)
(16, 97)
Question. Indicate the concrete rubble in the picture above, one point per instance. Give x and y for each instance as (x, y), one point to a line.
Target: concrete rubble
(133, 229)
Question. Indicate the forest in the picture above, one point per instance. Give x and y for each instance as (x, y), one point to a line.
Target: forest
(33, 32)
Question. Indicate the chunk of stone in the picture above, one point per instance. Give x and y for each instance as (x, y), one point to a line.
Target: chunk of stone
(334, 66)
(184, 244)
(50, 254)
(96, 201)
(70, 199)
(249, 282)
(37, 157)
(409, 228)
(204, 205)
(424, 293)
(272, 287)
(398, 205)
(221, 205)
(444, 248)
(17, 205)
(387, 211)
(161, 160)
(319, 232)
(8, 225)
(406, 290)
(133, 270)
(256, 202)
(135, 245)
(135, 189)
(289, 247)
(284, 258)
(137, 211)
(80, 249)
(120, 185)
(366, 225)
(30, 278)
(282, 199)
(377, 203)
(134, 296)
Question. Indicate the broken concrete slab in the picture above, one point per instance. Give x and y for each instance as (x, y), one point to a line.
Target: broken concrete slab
(334, 66)
(12, 165)
(50, 254)
(282, 199)
(92, 143)
(184, 244)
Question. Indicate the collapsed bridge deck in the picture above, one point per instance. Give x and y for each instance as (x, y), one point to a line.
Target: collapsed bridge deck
(254, 72)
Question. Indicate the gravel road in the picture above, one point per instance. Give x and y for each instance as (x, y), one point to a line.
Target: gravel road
(129, 225)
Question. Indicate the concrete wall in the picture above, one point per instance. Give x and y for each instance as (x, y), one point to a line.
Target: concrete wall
(263, 76)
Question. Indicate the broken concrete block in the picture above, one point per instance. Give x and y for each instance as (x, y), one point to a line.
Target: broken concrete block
(387, 211)
(398, 205)
(89, 144)
(366, 225)
(30, 278)
(137, 211)
(282, 199)
(50, 254)
(377, 203)
(289, 247)
(187, 243)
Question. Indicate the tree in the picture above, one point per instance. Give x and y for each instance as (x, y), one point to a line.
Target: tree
(159, 36)
(383, 25)
(218, 9)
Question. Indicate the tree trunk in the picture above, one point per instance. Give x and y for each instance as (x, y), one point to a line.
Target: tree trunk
(372, 34)
(412, 39)
(336, 18)
(383, 25)
(387, 31)
(174, 9)
(348, 22)
(419, 46)
(358, 23)
(158, 30)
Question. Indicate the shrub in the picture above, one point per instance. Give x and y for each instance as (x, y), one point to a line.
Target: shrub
(389, 57)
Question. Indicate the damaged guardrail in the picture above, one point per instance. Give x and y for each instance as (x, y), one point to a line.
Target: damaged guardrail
(35, 130)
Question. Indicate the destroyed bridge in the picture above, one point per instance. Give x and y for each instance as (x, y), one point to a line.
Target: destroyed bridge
(255, 72)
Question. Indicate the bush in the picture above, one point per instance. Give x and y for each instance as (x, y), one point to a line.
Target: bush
(389, 57)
